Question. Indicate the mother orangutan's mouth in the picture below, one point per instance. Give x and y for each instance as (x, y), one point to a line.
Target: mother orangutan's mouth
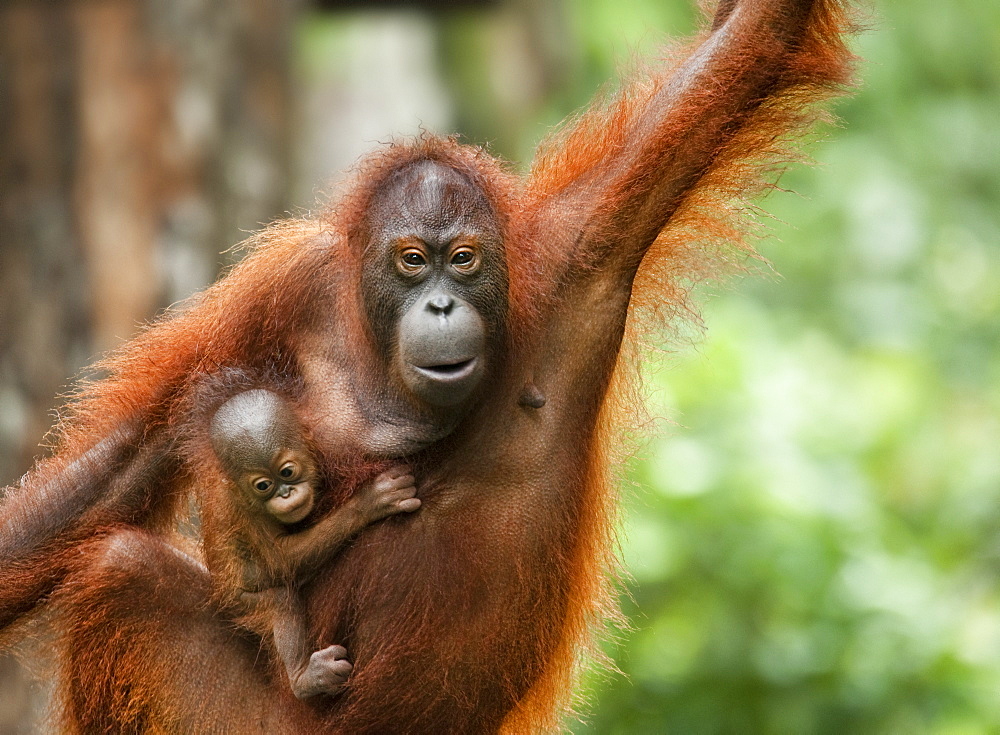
(449, 371)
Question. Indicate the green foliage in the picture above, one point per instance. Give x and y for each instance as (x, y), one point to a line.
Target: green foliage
(815, 538)
(815, 543)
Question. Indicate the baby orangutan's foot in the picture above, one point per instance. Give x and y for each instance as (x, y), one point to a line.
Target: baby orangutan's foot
(326, 673)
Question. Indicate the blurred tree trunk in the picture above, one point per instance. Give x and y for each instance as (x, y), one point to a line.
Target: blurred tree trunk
(138, 138)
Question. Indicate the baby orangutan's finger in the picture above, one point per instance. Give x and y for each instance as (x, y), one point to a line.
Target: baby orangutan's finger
(398, 470)
(409, 505)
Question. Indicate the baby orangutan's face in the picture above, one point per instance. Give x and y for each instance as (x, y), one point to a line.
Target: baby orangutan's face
(284, 485)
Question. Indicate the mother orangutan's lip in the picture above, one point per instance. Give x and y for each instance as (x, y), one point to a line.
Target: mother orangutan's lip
(449, 372)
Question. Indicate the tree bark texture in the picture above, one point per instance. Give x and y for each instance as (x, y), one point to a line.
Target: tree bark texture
(138, 139)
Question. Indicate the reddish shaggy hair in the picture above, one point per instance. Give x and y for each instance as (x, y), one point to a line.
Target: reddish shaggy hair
(301, 273)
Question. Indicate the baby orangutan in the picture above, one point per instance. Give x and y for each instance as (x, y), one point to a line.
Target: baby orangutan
(260, 554)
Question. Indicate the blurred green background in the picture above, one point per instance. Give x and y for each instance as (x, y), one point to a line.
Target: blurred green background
(815, 545)
(811, 529)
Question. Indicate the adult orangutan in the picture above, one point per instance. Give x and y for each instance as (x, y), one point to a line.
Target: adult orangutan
(445, 312)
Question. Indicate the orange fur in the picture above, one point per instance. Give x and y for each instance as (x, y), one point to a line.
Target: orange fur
(476, 614)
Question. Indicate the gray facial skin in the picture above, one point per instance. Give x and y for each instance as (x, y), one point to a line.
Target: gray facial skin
(435, 281)
(259, 443)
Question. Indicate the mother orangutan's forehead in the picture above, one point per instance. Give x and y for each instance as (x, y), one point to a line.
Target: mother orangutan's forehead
(431, 194)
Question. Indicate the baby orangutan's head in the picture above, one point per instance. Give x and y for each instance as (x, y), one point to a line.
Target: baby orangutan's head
(260, 444)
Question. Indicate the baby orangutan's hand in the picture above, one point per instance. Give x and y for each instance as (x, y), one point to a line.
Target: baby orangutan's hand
(325, 673)
(390, 493)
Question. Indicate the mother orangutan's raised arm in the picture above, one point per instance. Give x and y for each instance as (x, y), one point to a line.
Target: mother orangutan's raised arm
(620, 174)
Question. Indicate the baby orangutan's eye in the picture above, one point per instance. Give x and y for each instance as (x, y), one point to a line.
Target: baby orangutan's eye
(288, 471)
(262, 485)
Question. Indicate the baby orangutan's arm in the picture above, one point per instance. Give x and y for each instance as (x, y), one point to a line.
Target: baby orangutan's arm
(278, 609)
(390, 493)
(309, 672)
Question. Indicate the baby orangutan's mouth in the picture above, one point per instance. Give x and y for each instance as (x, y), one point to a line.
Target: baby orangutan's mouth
(291, 507)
